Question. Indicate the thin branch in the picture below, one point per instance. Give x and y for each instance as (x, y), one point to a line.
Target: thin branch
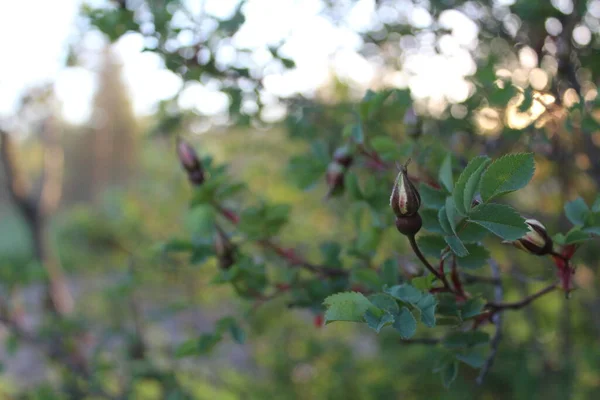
(470, 278)
(288, 254)
(497, 306)
(17, 183)
(52, 182)
(420, 256)
(424, 341)
(496, 320)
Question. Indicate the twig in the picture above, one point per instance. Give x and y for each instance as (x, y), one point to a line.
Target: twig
(496, 306)
(470, 278)
(496, 319)
(424, 341)
(420, 256)
(288, 254)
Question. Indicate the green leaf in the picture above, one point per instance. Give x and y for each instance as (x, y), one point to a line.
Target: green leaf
(423, 283)
(405, 323)
(357, 133)
(386, 147)
(427, 304)
(389, 272)
(507, 174)
(431, 197)
(577, 211)
(457, 340)
(596, 205)
(451, 213)
(430, 221)
(472, 357)
(377, 319)
(346, 306)
(405, 292)
(444, 222)
(476, 258)
(527, 100)
(431, 245)
(576, 236)
(472, 308)
(502, 220)
(384, 302)
(449, 374)
(352, 186)
(472, 233)
(467, 183)
(445, 174)
(456, 246)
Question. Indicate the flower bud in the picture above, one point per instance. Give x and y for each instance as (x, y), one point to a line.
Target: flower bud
(224, 249)
(536, 241)
(335, 178)
(190, 162)
(409, 225)
(343, 156)
(405, 199)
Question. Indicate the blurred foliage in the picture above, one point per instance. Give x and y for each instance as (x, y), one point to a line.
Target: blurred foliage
(290, 216)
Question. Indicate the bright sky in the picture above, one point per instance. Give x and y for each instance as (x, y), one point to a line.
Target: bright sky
(34, 47)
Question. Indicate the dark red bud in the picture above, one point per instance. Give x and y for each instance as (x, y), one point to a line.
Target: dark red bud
(335, 178)
(536, 241)
(405, 199)
(318, 321)
(224, 249)
(343, 156)
(409, 225)
(190, 162)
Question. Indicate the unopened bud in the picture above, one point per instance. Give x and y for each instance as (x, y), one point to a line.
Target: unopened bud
(190, 162)
(409, 225)
(224, 249)
(335, 178)
(536, 241)
(405, 199)
(343, 156)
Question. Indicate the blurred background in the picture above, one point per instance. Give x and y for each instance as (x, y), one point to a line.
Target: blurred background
(94, 93)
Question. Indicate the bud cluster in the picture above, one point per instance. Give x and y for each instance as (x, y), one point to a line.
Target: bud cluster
(405, 201)
(190, 162)
(342, 159)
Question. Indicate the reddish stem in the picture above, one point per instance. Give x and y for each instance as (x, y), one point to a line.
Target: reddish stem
(460, 292)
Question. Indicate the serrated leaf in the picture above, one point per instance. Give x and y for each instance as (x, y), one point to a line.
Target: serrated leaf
(443, 221)
(405, 323)
(577, 211)
(384, 302)
(500, 219)
(476, 258)
(507, 174)
(431, 245)
(405, 292)
(431, 197)
(451, 213)
(377, 319)
(576, 236)
(445, 174)
(346, 306)
(456, 246)
(467, 182)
